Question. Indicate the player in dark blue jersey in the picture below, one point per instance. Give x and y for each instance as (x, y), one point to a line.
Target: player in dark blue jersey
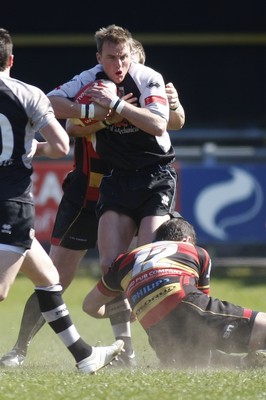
(167, 283)
(25, 110)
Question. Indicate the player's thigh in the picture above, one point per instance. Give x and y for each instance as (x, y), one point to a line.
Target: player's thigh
(258, 333)
(10, 264)
(148, 227)
(39, 267)
(67, 262)
(115, 233)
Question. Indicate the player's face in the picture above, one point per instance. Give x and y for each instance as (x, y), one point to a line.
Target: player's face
(115, 59)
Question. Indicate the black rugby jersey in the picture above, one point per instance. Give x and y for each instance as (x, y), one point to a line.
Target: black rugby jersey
(24, 109)
(127, 147)
(123, 145)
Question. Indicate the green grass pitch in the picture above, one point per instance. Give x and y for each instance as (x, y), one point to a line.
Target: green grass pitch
(49, 371)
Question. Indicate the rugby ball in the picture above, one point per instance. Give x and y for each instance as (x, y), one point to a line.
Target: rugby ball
(81, 98)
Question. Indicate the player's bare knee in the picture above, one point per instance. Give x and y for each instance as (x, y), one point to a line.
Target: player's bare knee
(258, 335)
(88, 308)
(105, 266)
(52, 276)
(260, 321)
(4, 289)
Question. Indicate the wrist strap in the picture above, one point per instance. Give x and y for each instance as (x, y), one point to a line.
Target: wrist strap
(90, 110)
(174, 109)
(83, 111)
(114, 101)
(117, 104)
(106, 123)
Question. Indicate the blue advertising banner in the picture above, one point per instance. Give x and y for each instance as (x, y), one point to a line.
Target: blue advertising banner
(225, 203)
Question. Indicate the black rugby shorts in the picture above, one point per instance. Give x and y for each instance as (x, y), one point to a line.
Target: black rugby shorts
(75, 227)
(17, 223)
(197, 325)
(138, 194)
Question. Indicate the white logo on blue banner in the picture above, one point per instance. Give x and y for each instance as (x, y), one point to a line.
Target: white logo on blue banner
(214, 198)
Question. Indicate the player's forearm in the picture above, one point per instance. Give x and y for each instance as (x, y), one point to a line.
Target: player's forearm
(144, 119)
(45, 149)
(75, 130)
(176, 119)
(65, 108)
(57, 141)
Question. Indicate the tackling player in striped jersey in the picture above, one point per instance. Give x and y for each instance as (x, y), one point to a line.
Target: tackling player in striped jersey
(167, 283)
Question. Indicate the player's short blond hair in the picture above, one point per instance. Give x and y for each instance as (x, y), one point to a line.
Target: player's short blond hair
(138, 53)
(114, 34)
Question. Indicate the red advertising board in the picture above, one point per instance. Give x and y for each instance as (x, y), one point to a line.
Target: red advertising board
(48, 177)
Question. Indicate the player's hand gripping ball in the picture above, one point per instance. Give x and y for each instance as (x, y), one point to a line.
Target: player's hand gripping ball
(82, 98)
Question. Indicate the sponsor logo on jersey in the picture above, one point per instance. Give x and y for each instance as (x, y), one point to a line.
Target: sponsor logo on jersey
(153, 84)
(157, 297)
(6, 228)
(6, 163)
(140, 293)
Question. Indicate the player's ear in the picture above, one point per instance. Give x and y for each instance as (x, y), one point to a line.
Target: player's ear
(187, 239)
(11, 61)
(98, 57)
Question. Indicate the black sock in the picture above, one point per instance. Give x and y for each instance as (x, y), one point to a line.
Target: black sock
(56, 314)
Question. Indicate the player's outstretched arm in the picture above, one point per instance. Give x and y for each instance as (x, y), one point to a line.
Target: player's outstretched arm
(177, 113)
(57, 141)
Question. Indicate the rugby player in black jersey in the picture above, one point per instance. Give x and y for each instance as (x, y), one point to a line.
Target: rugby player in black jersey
(25, 110)
(139, 193)
(75, 228)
